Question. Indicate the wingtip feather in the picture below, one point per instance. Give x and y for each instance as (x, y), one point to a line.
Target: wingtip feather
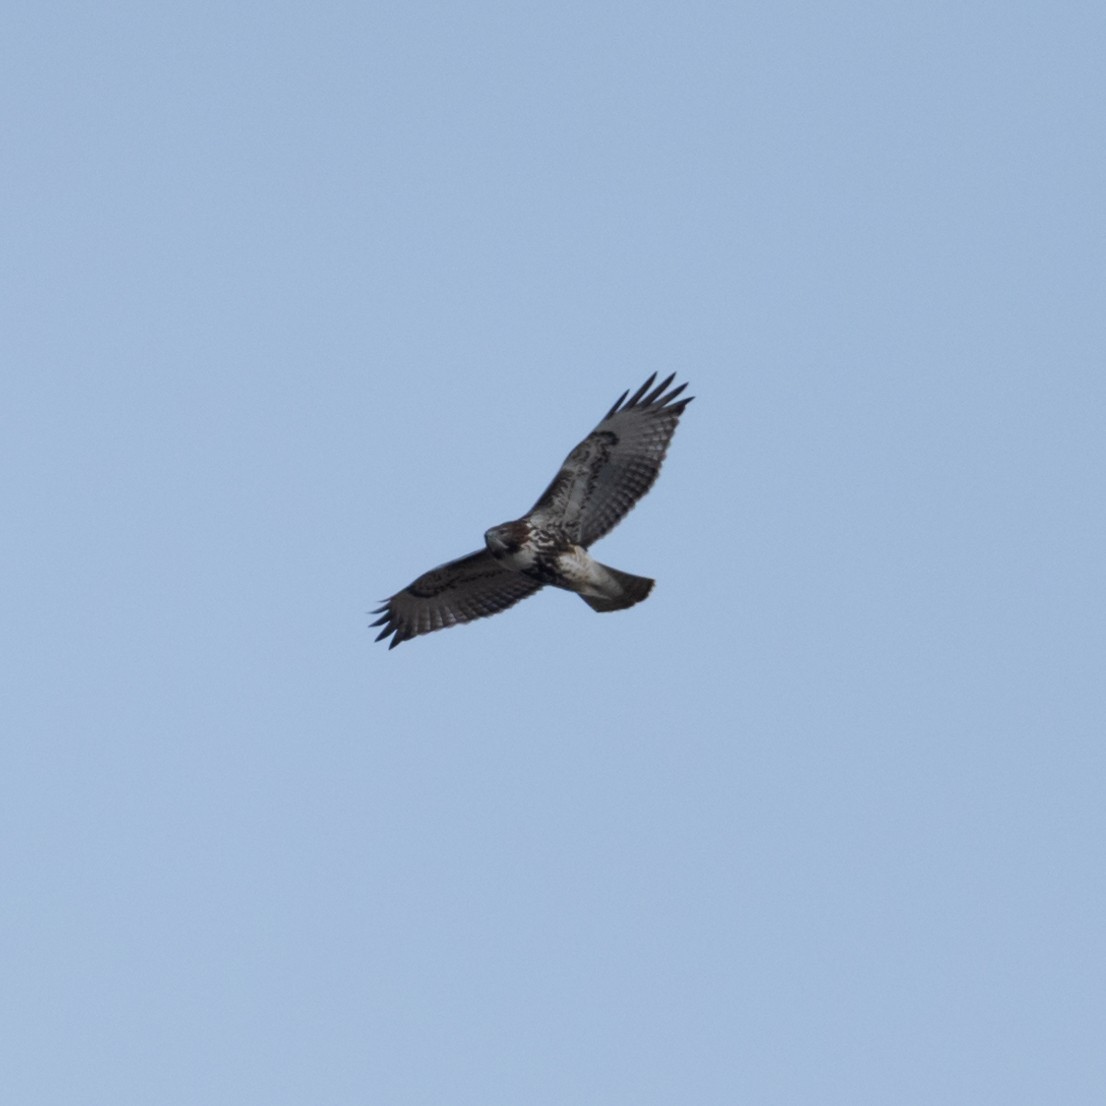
(617, 405)
(658, 390)
(635, 398)
(655, 398)
(673, 394)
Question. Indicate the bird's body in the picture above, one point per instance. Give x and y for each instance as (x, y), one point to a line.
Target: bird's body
(547, 556)
(599, 482)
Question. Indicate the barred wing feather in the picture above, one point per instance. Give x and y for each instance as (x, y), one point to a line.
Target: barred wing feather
(615, 465)
(471, 587)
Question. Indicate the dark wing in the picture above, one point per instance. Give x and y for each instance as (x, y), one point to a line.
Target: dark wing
(614, 466)
(460, 591)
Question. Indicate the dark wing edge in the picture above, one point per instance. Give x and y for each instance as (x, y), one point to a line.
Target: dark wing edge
(471, 587)
(653, 399)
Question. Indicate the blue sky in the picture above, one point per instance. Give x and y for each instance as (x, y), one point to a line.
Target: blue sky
(298, 300)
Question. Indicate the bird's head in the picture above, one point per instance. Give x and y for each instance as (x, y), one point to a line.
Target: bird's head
(504, 539)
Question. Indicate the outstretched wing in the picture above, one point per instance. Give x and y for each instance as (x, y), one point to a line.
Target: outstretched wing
(468, 588)
(614, 466)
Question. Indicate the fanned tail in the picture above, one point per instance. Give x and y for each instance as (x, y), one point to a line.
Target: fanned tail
(626, 590)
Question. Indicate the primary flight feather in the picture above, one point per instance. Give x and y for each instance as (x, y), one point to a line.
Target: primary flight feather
(599, 482)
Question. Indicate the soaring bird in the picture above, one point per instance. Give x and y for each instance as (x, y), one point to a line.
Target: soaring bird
(598, 484)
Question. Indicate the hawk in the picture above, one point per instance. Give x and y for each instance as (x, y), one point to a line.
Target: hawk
(598, 484)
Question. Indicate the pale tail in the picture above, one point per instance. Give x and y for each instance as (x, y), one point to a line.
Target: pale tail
(631, 589)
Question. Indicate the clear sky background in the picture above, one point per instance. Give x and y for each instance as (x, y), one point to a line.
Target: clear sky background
(298, 299)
